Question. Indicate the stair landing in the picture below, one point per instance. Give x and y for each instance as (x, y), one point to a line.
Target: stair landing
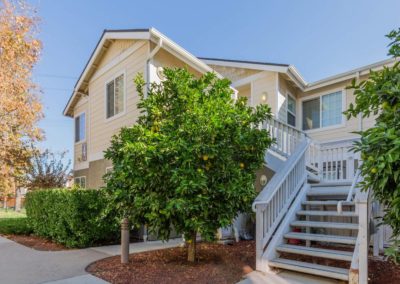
(286, 277)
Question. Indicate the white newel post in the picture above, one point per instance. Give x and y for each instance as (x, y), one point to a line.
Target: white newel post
(362, 203)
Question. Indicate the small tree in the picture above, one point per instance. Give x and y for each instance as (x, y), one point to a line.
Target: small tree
(380, 145)
(190, 161)
(20, 107)
(48, 170)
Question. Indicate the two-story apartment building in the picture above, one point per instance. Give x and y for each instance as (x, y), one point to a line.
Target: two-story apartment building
(104, 98)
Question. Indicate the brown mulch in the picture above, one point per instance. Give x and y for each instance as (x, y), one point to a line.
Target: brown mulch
(383, 272)
(215, 264)
(37, 243)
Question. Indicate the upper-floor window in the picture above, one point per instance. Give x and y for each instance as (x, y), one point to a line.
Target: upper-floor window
(115, 96)
(80, 127)
(291, 110)
(323, 111)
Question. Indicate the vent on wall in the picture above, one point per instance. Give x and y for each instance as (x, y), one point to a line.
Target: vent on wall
(84, 152)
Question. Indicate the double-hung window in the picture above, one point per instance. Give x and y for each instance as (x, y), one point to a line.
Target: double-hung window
(323, 111)
(115, 96)
(291, 110)
(80, 182)
(80, 123)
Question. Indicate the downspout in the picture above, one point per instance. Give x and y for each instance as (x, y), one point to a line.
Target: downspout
(148, 60)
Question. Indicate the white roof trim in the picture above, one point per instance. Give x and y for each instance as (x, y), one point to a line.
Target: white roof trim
(350, 74)
(247, 65)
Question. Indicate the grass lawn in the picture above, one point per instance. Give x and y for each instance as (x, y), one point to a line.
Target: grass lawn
(11, 213)
(12, 222)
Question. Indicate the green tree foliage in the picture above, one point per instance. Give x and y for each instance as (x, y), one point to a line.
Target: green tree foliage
(380, 145)
(190, 161)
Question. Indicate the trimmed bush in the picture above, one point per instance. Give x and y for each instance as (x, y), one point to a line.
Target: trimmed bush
(74, 218)
(15, 226)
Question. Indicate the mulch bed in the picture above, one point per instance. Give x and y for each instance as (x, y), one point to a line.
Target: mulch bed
(35, 242)
(215, 264)
(383, 272)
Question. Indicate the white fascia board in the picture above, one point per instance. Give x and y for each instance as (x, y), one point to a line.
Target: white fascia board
(350, 74)
(127, 35)
(180, 52)
(296, 77)
(264, 67)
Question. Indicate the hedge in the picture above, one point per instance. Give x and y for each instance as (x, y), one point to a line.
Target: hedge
(74, 218)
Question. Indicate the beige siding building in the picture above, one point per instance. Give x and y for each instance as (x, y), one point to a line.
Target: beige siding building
(105, 98)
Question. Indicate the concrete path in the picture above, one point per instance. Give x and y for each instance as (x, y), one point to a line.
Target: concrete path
(22, 265)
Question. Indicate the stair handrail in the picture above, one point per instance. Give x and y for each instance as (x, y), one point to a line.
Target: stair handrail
(267, 194)
(351, 191)
(274, 200)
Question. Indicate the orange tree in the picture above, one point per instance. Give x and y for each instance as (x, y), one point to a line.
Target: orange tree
(190, 161)
(380, 144)
(20, 108)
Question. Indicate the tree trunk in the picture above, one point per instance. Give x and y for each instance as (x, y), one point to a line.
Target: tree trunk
(192, 247)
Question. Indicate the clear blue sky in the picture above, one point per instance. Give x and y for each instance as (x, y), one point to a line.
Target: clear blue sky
(319, 37)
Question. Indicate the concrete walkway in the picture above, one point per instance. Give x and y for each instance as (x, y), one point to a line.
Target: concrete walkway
(22, 265)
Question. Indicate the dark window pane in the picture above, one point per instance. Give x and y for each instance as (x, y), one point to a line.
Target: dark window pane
(311, 114)
(110, 99)
(291, 119)
(77, 138)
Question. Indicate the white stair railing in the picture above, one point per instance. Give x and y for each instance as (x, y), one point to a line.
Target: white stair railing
(359, 265)
(274, 200)
(286, 136)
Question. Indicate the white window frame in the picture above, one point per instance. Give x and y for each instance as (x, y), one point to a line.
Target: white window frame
(109, 169)
(320, 95)
(84, 128)
(116, 75)
(288, 94)
(80, 181)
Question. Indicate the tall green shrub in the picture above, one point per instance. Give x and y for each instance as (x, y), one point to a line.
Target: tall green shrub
(74, 218)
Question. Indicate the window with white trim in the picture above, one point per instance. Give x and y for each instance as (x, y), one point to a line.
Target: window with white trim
(291, 110)
(323, 111)
(80, 181)
(109, 170)
(115, 96)
(80, 123)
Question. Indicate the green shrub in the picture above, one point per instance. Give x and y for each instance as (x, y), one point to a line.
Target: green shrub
(15, 226)
(74, 218)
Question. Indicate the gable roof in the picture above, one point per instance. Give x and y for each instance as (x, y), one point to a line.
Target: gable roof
(80, 88)
(287, 69)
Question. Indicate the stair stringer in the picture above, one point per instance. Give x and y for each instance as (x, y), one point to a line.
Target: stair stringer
(284, 227)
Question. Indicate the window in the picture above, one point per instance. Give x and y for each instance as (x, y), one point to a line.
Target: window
(323, 111)
(115, 97)
(80, 182)
(80, 128)
(331, 109)
(109, 170)
(291, 111)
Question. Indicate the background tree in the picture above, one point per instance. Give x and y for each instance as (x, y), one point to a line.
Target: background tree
(190, 161)
(380, 145)
(20, 108)
(48, 170)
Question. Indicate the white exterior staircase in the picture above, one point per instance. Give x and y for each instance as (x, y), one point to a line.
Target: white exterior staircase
(311, 218)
